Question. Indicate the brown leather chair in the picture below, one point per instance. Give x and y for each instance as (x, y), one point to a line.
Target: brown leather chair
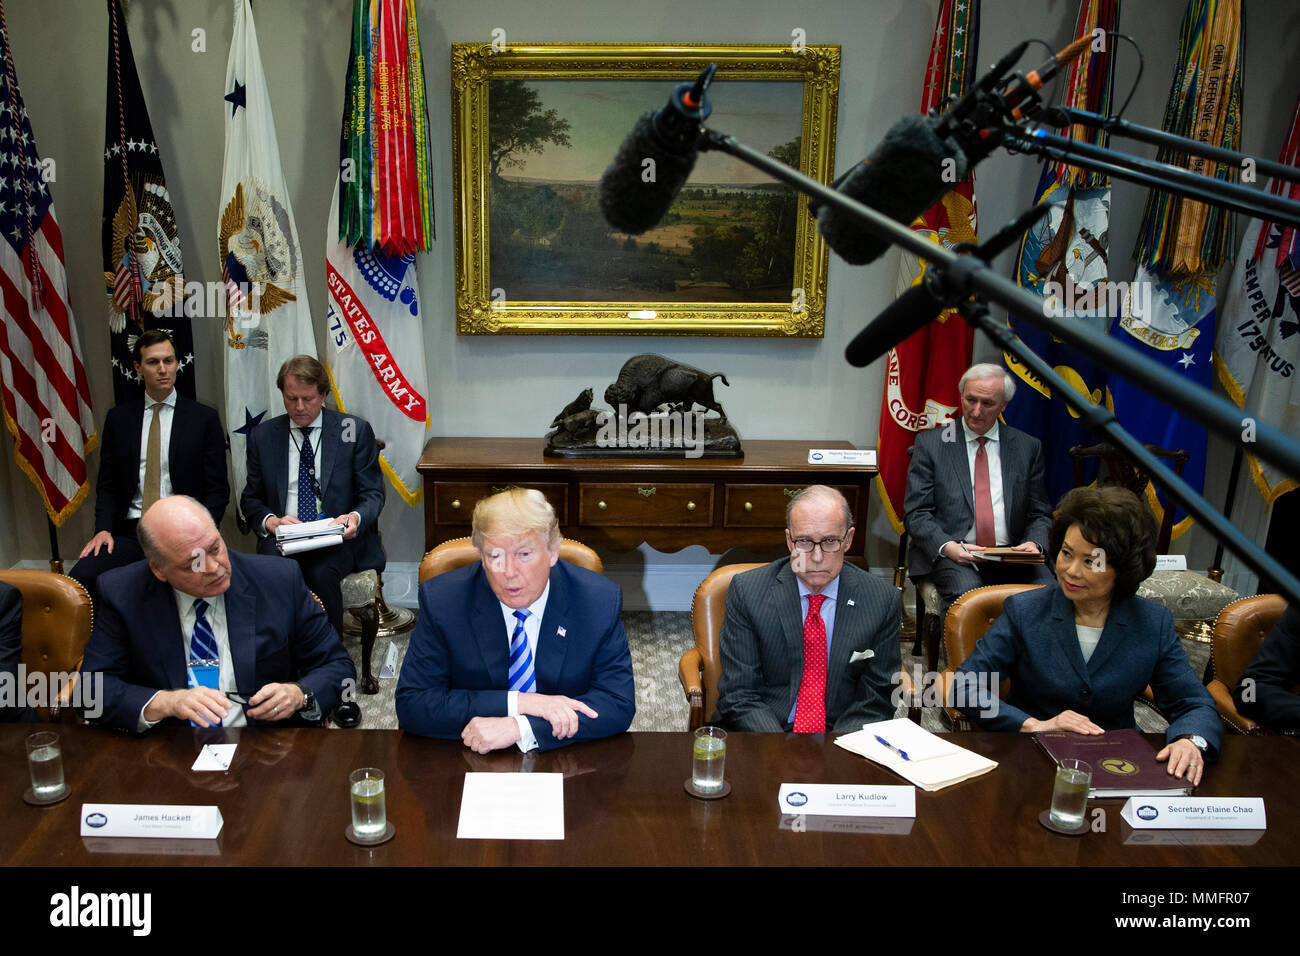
(57, 617)
(459, 552)
(700, 666)
(1238, 631)
(969, 619)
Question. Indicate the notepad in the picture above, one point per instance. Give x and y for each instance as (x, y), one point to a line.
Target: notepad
(934, 763)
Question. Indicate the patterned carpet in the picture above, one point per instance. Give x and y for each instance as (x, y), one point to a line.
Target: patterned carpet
(657, 640)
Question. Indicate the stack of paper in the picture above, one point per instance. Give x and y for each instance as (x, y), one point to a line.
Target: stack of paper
(931, 762)
(308, 535)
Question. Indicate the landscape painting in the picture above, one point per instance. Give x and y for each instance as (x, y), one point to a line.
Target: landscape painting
(737, 252)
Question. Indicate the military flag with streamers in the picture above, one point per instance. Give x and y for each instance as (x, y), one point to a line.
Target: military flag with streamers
(1169, 313)
(1257, 355)
(268, 318)
(143, 272)
(44, 392)
(386, 169)
(921, 372)
(1064, 257)
(376, 351)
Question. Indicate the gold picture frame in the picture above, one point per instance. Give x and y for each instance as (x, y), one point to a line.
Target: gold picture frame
(529, 76)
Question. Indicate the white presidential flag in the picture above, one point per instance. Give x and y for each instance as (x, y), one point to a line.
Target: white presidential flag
(268, 318)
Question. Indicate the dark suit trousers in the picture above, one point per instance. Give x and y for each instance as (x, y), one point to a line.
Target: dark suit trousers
(126, 550)
(953, 579)
(324, 571)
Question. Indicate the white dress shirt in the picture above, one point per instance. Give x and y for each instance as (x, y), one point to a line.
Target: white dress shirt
(216, 616)
(164, 462)
(295, 442)
(532, 629)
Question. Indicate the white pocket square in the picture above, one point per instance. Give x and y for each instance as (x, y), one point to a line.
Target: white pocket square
(861, 655)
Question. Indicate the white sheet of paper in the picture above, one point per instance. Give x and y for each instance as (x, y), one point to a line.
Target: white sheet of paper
(389, 668)
(917, 743)
(512, 806)
(215, 757)
(305, 529)
(289, 546)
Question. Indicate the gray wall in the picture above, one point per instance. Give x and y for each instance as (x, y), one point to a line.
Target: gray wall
(779, 388)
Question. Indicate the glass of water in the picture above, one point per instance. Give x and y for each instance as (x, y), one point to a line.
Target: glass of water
(369, 815)
(45, 761)
(1070, 793)
(709, 759)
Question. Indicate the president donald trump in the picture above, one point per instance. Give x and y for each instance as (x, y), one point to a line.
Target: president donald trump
(518, 648)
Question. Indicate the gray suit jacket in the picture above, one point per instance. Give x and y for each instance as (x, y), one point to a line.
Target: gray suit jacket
(350, 480)
(940, 502)
(762, 650)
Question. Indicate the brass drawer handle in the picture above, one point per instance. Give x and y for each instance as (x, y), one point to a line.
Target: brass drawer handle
(690, 506)
(497, 490)
(455, 502)
(791, 492)
(749, 506)
(601, 505)
(646, 492)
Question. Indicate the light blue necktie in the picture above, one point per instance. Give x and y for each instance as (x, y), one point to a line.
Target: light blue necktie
(521, 658)
(203, 643)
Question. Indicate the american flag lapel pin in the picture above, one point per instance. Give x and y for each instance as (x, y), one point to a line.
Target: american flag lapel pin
(561, 632)
(850, 602)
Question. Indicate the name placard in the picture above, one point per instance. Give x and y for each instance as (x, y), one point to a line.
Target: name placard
(841, 456)
(176, 821)
(1195, 813)
(848, 800)
(1171, 562)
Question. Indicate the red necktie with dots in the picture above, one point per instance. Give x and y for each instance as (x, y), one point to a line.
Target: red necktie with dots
(810, 712)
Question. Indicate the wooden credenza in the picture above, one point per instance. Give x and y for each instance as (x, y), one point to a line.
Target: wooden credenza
(668, 503)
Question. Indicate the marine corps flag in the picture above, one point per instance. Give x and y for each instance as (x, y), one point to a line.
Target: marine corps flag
(921, 372)
(1064, 258)
(268, 318)
(143, 273)
(1182, 244)
(43, 386)
(1258, 352)
(376, 352)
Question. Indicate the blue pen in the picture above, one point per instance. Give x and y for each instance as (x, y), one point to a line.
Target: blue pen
(886, 743)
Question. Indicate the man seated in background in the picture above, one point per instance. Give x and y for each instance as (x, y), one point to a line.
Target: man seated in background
(518, 647)
(809, 643)
(194, 610)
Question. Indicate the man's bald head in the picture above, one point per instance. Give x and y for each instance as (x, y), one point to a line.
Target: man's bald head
(184, 547)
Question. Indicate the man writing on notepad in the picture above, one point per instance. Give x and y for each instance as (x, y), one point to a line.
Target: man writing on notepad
(976, 486)
(313, 463)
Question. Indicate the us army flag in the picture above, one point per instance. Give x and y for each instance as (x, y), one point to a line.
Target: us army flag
(268, 318)
(376, 351)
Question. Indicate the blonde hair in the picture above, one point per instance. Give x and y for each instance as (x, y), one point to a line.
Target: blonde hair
(516, 512)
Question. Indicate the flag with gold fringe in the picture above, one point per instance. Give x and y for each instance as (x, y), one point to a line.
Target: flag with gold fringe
(376, 352)
(1169, 313)
(1257, 354)
(921, 372)
(1065, 258)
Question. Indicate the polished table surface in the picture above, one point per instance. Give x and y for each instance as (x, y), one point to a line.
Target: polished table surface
(285, 802)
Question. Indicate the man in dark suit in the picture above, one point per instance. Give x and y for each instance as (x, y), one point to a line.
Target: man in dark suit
(333, 458)
(1267, 691)
(177, 448)
(11, 650)
(809, 643)
(518, 647)
(274, 655)
(975, 485)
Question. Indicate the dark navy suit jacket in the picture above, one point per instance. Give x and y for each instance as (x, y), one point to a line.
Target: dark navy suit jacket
(1035, 644)
(277, 633)
(458, 664)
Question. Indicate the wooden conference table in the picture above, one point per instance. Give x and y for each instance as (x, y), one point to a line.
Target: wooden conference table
(285, 802)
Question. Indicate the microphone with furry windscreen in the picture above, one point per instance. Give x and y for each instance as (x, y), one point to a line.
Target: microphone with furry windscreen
(656, 159)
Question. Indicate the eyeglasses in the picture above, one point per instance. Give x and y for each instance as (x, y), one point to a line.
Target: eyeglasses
(828, 545)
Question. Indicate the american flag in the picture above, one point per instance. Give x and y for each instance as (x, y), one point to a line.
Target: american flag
(45, 395)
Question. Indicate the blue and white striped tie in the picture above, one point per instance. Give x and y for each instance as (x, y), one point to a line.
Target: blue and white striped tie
(521, 658)
(203, 643)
